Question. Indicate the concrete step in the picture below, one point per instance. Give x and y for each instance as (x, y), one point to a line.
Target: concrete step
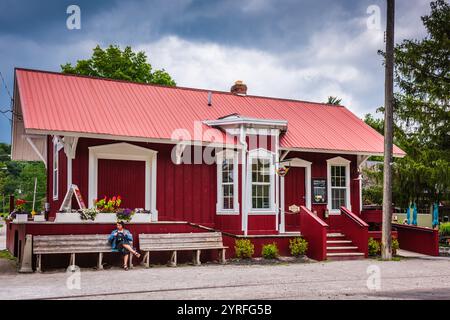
(339, 242)
(343, 248)
(345, 256)
(335, 235)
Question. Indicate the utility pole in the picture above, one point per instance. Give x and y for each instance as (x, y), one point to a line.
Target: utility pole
(386, 239)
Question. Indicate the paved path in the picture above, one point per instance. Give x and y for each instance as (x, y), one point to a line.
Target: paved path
(405, 279)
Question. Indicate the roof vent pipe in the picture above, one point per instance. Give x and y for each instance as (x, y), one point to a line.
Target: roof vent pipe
(209, 98)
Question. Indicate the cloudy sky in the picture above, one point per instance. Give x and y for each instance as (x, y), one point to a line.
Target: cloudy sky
(301, 49)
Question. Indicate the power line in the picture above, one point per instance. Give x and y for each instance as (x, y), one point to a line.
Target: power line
(6, 86)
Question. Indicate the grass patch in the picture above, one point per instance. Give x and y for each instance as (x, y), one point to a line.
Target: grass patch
(4, 254)
(394, 258)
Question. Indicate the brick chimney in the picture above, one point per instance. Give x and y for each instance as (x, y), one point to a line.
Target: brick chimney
(239, 88)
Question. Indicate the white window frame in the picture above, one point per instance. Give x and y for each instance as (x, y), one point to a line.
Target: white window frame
(57, 146)
(342, 162)
(263, 154)
(220, 157)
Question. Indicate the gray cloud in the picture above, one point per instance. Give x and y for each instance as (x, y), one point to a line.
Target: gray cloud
(298, 49)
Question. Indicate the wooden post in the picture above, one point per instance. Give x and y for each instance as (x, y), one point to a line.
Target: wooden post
(173, 259)
(196, 259)
(72, 262)
(26, 260)
(222, 256)
(100, 260)
(130, 260)
(147, 259)
(39, 263)
(386, 239)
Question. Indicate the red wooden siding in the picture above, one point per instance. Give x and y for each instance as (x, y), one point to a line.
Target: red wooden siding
(188, 192)
(185, 192)
(122, 177)
(319, 170)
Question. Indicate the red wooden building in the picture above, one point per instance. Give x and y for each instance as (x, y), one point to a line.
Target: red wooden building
(209, 158)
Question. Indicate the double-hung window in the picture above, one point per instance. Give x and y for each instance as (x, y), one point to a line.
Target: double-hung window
(227, 182)
(261, 180)
(338, 187)
(339, 184)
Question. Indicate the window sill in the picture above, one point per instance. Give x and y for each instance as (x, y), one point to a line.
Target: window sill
(227, 213)
(335, 213)
(256, 213)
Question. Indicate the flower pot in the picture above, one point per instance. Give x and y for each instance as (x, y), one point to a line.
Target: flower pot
(141, 217)
(21, 217)
(67, 217)
(106, 217)
(39, 218)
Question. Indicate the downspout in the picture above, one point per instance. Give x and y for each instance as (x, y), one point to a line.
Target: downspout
(277, 181)
(243, 142)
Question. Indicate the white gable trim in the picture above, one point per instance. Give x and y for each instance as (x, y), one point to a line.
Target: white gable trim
(125, 151)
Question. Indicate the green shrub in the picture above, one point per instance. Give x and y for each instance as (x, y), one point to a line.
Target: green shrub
(395, 246)
(244, 248)
(374, 247)
(444, 229)
(270, 251)
(298, 246)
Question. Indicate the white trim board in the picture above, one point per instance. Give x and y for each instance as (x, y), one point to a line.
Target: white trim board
(125, 151)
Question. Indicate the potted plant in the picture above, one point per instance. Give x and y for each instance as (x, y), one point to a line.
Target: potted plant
(19, 214)
(108, 208)
(141, 215)
(125, 214)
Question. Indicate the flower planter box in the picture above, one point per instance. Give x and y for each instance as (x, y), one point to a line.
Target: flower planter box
(67, 217)
(39, 218)
(141, 217)
(21, 217)
(106, 217)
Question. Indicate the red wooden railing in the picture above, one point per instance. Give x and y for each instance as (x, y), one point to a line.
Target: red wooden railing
(314, 230)
(418, 239)
(355, 229)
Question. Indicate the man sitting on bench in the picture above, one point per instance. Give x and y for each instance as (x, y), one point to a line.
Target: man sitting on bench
(121, 240)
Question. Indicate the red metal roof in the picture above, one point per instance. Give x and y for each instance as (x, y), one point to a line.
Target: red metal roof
(54, 102)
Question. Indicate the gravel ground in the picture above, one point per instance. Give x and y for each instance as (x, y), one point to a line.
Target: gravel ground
(406, 279)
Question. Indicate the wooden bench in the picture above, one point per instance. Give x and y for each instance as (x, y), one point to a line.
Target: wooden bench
(72, 244)
(174, 242)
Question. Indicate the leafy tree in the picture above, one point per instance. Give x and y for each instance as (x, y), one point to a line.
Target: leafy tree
(422, 73)
(334, 100)
(115, 63)
(422, 113)
(17, 178)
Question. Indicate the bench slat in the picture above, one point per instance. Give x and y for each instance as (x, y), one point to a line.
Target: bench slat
(184, 249)
(178, 235)
(196, 240)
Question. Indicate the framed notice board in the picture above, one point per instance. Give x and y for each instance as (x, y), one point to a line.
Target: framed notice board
(319, 190)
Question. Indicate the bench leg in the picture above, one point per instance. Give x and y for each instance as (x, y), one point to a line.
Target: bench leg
(173, 259)
(147, 259)
(72, 262)
(196, 258)
(39, 263)
(130, 259)
(100, 260)
(222, 256)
